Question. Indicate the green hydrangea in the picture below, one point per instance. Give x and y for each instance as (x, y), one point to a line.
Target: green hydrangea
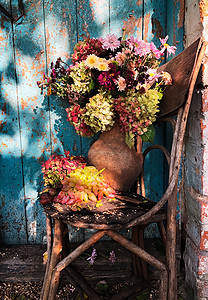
(99, 113)
(137, 112)
(81, 76)
(149, 105)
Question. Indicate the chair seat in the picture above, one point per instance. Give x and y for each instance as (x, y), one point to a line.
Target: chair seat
(113, 214)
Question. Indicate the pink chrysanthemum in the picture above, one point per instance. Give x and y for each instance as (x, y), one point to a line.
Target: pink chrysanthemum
(143, 48)
(110, 42)
(132, 43)
(152, 75)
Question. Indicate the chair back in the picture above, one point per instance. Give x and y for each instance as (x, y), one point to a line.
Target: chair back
(181, 69)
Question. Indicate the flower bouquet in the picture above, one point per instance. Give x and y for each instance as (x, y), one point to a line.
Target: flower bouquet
(69, 181)
(111, 79)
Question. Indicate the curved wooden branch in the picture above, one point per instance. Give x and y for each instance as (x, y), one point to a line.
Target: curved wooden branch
(170, 120)
(159, 147)
(145, 256)
(69, 259)
(167, 155)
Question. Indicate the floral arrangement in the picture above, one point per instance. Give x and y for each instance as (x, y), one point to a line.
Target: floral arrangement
(111, 79)
(69, 181)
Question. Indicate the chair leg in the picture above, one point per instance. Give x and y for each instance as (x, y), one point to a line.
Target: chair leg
(54, 259)
(58, 267)
(136, 260)
(140, 266)
(141, 245)
(66, 243)
(49, 249)
(162, 231)
(54, 285)
(171, 245)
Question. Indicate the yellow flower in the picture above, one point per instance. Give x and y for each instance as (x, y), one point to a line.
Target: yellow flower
(102, 66)
(91, 61)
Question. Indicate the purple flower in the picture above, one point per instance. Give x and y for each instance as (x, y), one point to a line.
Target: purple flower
(112, 257)
(92, 257)
(109, 78)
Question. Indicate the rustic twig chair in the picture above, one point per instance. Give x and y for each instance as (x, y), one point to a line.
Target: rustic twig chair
(184, 69)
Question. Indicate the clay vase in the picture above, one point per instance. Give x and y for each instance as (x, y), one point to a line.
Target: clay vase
(122, 164)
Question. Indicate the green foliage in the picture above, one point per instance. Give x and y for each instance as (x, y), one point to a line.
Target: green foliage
(149, 135)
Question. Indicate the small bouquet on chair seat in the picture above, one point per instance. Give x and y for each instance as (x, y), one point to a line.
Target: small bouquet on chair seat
(69, 181)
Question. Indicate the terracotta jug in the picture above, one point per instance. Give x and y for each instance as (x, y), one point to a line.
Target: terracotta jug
(122, 164)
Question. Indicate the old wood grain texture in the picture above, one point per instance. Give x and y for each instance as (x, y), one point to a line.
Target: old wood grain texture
(34, 116)
(175, 23)
(128, 14)
(154, 20)
(175, 30)
(60, 38)
(154, 27)
(24, 263)
(12, 205)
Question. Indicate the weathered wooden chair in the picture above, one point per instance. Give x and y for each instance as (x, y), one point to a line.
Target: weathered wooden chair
(131, 211)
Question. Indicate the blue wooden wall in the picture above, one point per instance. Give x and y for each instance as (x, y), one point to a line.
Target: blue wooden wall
(31, 126)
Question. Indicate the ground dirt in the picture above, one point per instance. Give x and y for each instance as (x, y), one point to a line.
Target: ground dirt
(22, 271)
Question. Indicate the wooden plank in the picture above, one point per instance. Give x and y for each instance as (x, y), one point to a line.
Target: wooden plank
(25, 263)
(175, 30)
(154, 20)
(128, 14)
(92, 21)
(61, 37)
(175, 23)
(155, 27)
(93, 18)
(180, 68)
(34, 115)
(12, 206)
